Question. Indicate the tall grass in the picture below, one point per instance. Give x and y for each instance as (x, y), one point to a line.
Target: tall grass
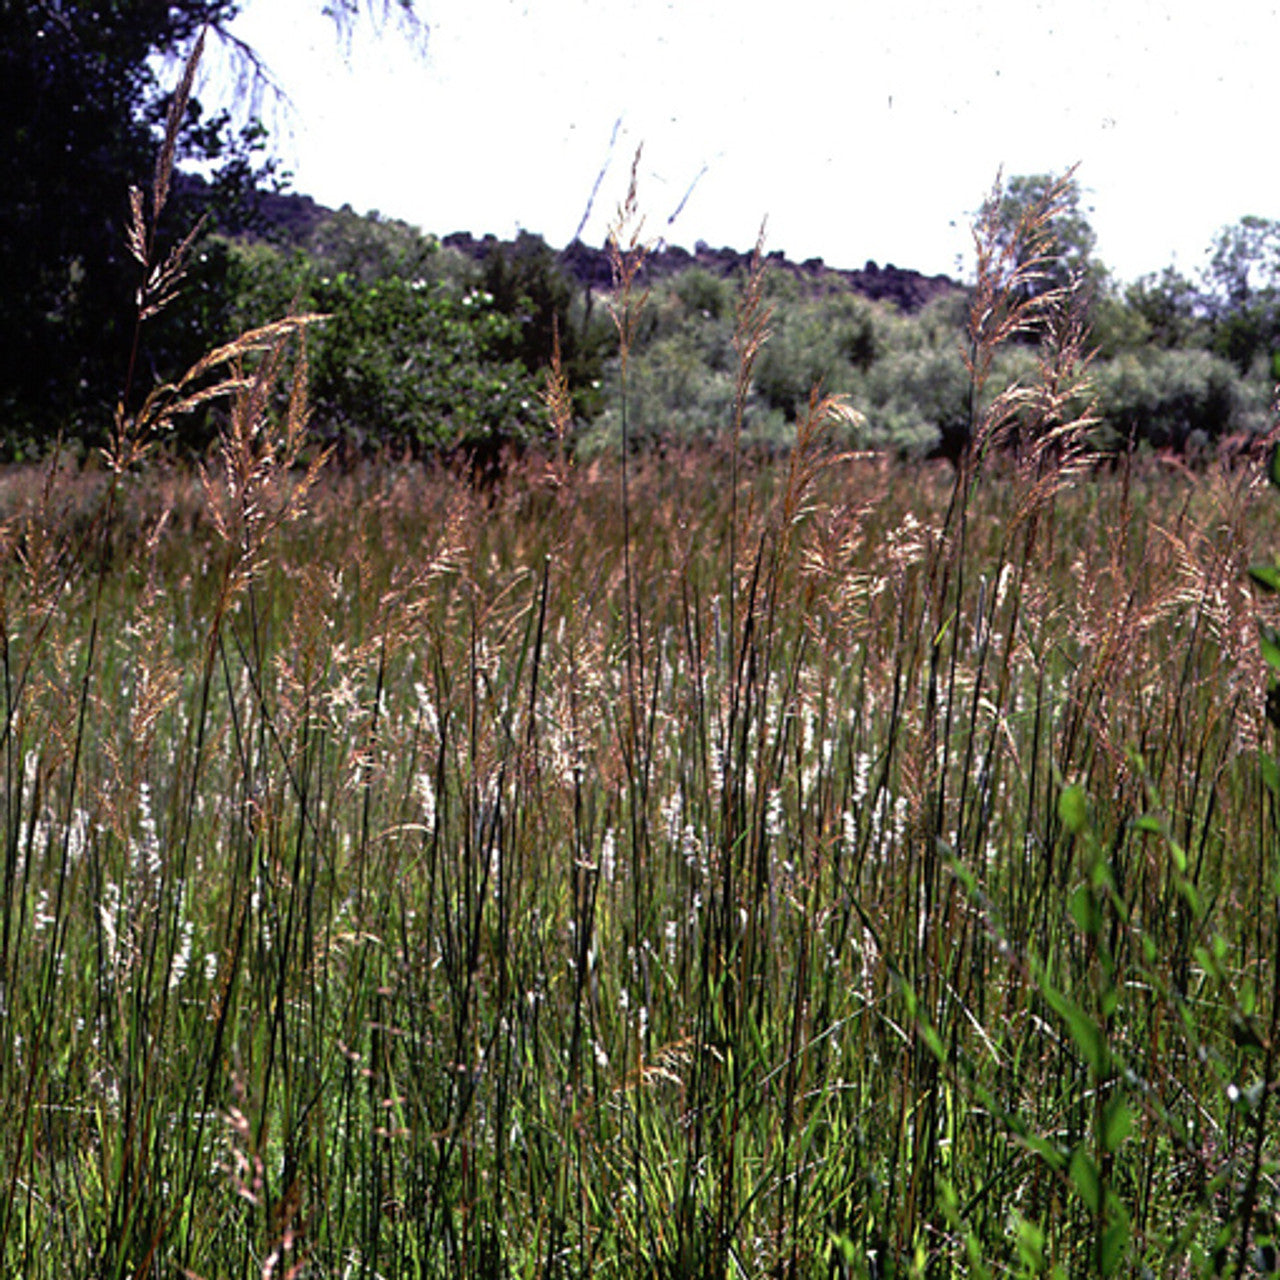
(813, 868)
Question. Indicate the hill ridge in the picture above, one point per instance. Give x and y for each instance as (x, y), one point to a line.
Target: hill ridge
(295, 216)
(590, 267)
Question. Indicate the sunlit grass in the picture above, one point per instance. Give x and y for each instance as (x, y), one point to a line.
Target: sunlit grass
(696, 866)
(344, 921)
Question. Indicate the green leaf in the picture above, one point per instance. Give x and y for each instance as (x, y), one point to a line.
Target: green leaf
(847, 1249)
(1117, 1121)
(1030, 1243)
(933, 1041)
(1115, 1244)
(942, 630)
(1084, 1031)
(1270, 643)
(1248, 997)
(1073, 804)
(1270, 773)
(1046, 1150)
(1086, 912)
(1084, 1173)
(1273, 467)
(1267, 576)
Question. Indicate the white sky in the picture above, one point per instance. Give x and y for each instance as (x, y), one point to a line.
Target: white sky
(861, 129)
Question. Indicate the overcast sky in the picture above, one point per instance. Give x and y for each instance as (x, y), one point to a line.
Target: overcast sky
(860, 129)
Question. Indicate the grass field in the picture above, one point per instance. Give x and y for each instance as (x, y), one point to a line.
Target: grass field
(396, 891)
(683, 866)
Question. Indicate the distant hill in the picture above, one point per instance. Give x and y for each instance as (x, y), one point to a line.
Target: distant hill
(292, 218)
(909, 290)
(265, 214)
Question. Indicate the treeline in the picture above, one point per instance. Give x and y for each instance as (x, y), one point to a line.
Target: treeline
(433, 347)
(437, 347)
(1178, 363)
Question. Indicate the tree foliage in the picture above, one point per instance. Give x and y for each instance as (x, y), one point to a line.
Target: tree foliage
(424, 352)
(1169, 307)
(1072, 239)
(1167, 399)
(75, 85)
(527, 283)
(79, 98)
(405, 360)
(1243, 281)
(1244, 262)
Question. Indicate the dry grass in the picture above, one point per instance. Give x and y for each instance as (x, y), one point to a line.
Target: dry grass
(354, 875)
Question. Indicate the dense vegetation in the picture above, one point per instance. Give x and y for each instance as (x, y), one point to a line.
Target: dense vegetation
(745, 861)
(429, 350)
(1177, 366)
(81, 104)
(424, 884)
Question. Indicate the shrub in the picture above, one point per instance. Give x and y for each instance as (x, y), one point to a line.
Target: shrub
(674, 394)
(527, 285)
(1168, 399)
(824, 341)
(704, 294)
(401, 362)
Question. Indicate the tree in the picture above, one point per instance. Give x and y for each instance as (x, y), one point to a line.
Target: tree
(79, 98)
(1243, 278)
(410, 358)
(527, 282)
(1070, 252)
(74, 83)
(1170, 307)
(1245, 262)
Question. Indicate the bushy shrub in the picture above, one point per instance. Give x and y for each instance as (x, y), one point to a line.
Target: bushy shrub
(680, 378)
(1168, 399)
(915, 399)
(526, 283)
(401, 362)
(672, 396)
(703, 294)
(405, 362)
(824, 341)
(370, 247)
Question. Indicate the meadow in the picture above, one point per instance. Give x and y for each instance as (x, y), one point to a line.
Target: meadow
(700, 864)
(429, 882)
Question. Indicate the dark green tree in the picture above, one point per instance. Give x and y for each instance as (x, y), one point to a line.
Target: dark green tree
(1244, 261)
(404, 362)
(75, 82)
(526, 282)
(1170, 306)
(80, 95)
